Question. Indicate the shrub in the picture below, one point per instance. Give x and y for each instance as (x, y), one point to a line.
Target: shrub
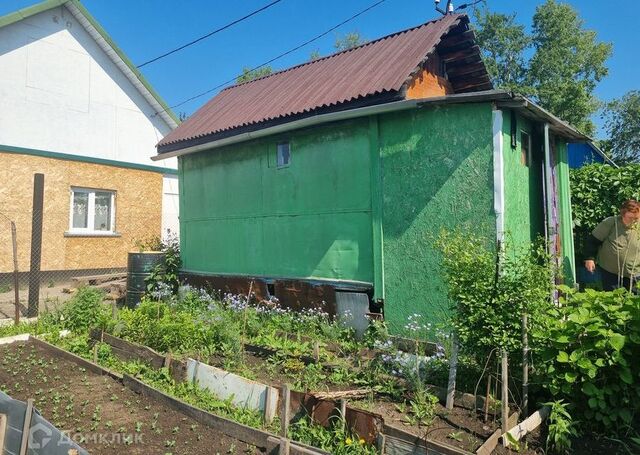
(85, 310)
(490, 292)
(589, 356)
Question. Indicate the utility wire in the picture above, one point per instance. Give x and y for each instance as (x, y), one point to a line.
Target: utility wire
(279, 56)
(190, 43)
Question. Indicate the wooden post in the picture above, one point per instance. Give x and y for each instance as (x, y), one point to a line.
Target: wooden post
(24, 443)
(486, 398)
(36, 244)
(525, 365)
(285, 402)
(505, 395)
(316, 351)
(269, 398)
(285, 446)
(343, 412)
(16, 278)
(95, 353)
(453, 367)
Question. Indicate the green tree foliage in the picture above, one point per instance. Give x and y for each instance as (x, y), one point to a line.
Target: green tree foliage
(249, 74)
(348, 41)
(566, 63)
(597, 192)
(314, 55)
(503, 42)
(622, 122)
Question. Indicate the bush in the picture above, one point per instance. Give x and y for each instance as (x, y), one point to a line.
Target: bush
(590, 356)
(490, 292)
(597, 192)
(85, 310)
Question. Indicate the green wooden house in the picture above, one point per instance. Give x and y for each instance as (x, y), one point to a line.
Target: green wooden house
(324, 184)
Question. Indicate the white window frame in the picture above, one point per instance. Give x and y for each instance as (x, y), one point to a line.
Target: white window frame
(91, 209)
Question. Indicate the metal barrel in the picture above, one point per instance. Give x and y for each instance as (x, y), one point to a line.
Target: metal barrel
(139, 267)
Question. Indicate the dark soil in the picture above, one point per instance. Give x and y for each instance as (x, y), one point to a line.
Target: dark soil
(99, 413)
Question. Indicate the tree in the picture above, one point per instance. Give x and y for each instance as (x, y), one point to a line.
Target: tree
(622, 123)
(348, 41)
(503, 43)
(314, 55)
(249, 74)
(567, 64)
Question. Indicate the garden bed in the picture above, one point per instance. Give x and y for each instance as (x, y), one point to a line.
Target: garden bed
(99, 412)
(459, 430)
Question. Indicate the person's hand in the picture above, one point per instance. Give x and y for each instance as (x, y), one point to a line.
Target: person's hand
(590, 265)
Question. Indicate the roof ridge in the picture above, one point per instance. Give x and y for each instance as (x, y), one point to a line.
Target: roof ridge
(382, 38)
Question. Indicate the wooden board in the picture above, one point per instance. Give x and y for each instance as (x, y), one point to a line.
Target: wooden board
(3, 430)
(494, 439)
(94, 368)
(530, 424)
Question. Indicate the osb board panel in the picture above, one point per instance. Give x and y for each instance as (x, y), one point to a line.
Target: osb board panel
(426, 84)
(138, 211)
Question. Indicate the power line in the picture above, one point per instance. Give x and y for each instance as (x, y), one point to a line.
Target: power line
(190, 43)
(279, 56)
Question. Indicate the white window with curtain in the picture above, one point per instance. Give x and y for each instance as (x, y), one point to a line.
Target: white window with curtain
(92, 211)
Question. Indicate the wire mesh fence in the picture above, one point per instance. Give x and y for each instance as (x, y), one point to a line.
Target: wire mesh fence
(40, 271)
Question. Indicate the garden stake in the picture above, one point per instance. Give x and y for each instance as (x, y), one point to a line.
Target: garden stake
(343, 412)
(285, 402)
(16, 281)
(244, 325)
(453, 366)
(24, 444)
(285, 446)
(505, 396)
(525, 366)
(95, 353)
(486, 399)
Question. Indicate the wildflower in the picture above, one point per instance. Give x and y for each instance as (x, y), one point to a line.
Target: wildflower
(348, 441)
(361, 441)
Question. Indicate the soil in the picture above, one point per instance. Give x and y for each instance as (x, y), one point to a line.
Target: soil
(110, 418)
(458, 427)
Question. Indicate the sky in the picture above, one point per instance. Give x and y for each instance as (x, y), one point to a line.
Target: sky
(147, 28)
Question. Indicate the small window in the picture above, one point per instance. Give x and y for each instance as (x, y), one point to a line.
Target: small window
(92, 211)
(283, 155)
(525, 148)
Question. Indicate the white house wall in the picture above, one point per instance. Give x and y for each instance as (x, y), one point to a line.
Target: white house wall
(60, 92)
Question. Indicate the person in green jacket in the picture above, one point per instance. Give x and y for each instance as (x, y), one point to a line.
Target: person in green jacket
(615, 246)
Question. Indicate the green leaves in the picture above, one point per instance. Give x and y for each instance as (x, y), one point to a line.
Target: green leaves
(590, 357)
(617, 341)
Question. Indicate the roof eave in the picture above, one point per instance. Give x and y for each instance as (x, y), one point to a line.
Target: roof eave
(501, 98)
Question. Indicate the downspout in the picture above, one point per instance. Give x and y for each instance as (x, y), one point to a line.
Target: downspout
(498, 175)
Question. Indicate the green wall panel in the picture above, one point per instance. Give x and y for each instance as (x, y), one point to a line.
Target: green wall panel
(437, 172)
(241, 214)
(524, 209)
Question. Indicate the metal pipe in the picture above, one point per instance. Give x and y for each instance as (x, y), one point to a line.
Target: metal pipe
(498, 175)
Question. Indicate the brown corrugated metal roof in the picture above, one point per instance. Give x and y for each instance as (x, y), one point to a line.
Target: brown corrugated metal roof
(376, 68)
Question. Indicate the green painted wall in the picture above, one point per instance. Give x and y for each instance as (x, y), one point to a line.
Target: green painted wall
(566, 216)
(523, 184)
(437, 171)
(240, 214)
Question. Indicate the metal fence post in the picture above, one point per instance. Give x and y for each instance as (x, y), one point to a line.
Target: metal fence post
(36, 244)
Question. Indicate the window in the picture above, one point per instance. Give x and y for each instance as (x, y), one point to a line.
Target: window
(92, 211)
(283, 155)
(525, 148)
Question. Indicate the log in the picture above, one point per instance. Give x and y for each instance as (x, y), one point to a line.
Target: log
(357, 393)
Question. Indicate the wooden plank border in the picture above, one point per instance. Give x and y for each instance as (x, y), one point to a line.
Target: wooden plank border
(491, 443)
(530, 423)
(93, 367)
